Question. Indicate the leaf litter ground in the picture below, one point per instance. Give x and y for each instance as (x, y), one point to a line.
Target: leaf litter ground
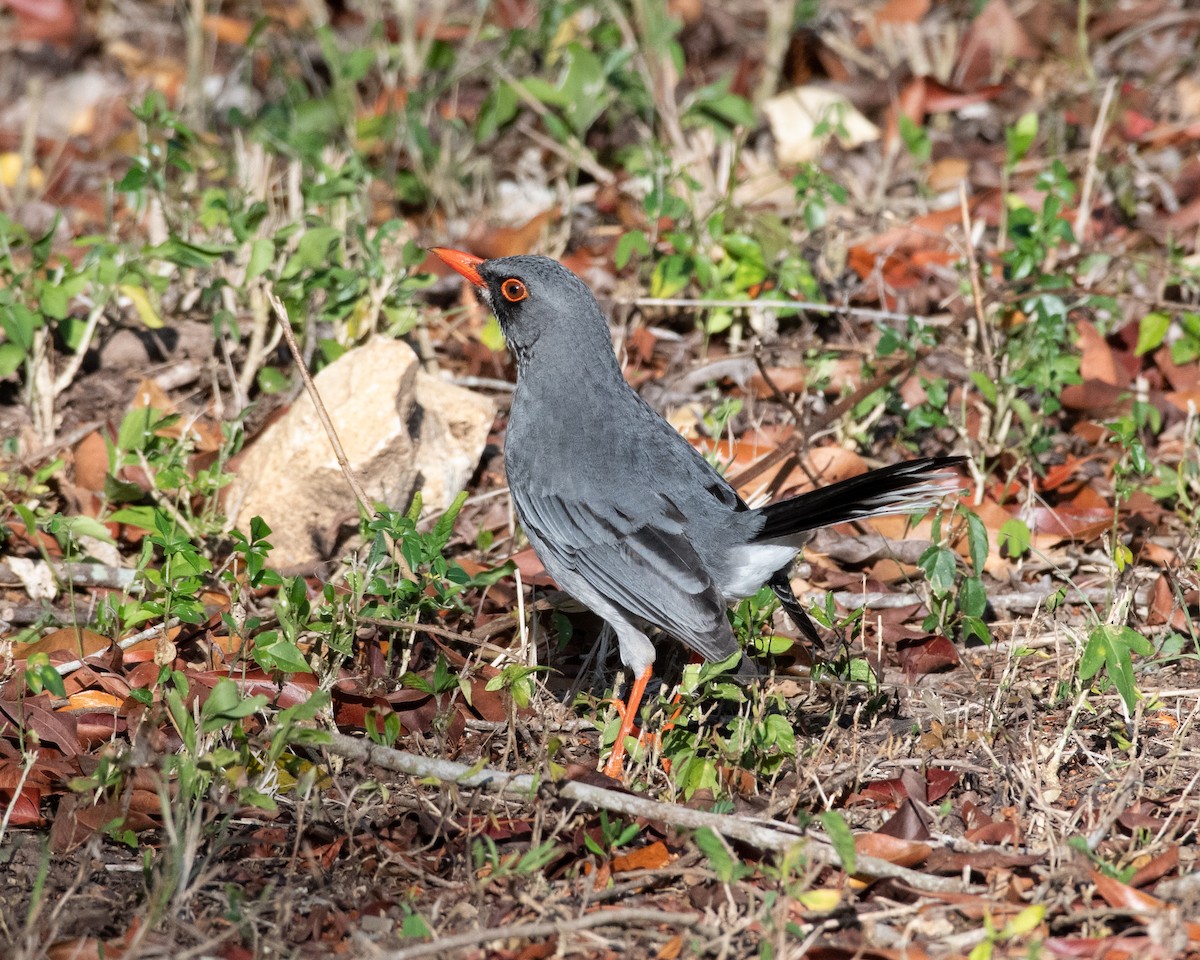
(1025, 798)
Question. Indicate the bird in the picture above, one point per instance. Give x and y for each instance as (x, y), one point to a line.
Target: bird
(622, 511)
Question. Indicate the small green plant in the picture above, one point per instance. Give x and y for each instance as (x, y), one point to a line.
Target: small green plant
(1022, 925)
(723, 862)
(614, 834)
(491, 864)
(1111, 648)
(954, 603)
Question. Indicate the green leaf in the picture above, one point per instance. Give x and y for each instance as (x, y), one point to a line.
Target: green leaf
(1113, 648)
(1025, 922)
(1151, 331)
(985, 385)
(19, 323)
(977, 541)
(137, 429)
(262, 254)
(492, 335)
(630, 243)
(671, 276)
(40, 675)
(272, 380)
(12, 355)
(78, 526)
(184, 254)
(722, 862)
(972, 598)
(53, 301)
(841, 838)
(940, 565)
(312, 252)
(1014, 538)
(1020, 137)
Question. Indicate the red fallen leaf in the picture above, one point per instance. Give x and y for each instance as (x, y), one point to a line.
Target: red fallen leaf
(887, 792)
(493, 242)
(653, 856)
(905, 853)
(1134, 125)
(995, 832)
(909, 104)
(1145, 907)
(995, 38)
(1184, 378)
(53, 21)
(902, 11)
(498, 828)
(906, 823)
(78, 643)
(939, 782)
(1157, 868)
(295, 690)
(97, 728)
(1062, 474)
(940, 99)
(1108, 948)
(1162, 607)
(268, 842)
(1097, 360)
(50, 727)
(927, 655)
(532, 571)
(25, 809)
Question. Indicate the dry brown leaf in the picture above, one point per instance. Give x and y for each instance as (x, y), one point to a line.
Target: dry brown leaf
(76, 642)
(905, 853)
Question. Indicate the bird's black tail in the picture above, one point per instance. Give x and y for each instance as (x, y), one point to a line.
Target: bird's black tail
(901, 488)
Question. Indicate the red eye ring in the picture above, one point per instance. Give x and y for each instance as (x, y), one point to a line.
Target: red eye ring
(513, 290)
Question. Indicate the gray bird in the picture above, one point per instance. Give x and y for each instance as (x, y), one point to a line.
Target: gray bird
(622, 511)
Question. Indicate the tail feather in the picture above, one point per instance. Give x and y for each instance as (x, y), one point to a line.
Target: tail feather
(902, 488)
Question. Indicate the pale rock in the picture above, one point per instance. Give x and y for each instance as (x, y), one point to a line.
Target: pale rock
(796, 117)
(402, 431)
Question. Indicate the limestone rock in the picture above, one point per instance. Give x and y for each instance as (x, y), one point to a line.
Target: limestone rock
(401, 429)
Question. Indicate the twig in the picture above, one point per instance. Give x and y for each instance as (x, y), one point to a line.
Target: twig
(436, 632)
(775, 837)
(285, 325)
(820, 422)
(1089, 176)
(868, 313)
(622, 917)
(67, 375)
(72, 665)
(976, 287)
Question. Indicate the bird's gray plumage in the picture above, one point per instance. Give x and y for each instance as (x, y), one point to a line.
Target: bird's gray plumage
(623, 512)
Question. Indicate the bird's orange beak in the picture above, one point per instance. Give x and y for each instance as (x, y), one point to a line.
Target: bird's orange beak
(464, 263)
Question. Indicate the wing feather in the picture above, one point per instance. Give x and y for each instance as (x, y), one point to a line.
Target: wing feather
(642, 563)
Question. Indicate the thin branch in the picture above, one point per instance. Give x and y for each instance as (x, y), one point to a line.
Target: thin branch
(868, 313)
(72, 665)
(622, 917)
(285, 325)
(795, 443)
(1089, 177)
(776, 837)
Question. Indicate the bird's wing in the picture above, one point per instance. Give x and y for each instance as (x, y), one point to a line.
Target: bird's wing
(641, 562)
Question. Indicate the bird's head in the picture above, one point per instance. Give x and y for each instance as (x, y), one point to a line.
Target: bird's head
(537, 300)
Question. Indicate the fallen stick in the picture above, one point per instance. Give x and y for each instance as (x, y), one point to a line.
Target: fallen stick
(758, 834)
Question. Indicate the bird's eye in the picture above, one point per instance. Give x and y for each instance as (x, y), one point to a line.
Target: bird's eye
(513, 290)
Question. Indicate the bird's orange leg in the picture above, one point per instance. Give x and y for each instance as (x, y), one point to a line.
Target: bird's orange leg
(628, 711)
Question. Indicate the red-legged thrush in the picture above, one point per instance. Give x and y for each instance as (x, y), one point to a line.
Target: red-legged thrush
(622, 511)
